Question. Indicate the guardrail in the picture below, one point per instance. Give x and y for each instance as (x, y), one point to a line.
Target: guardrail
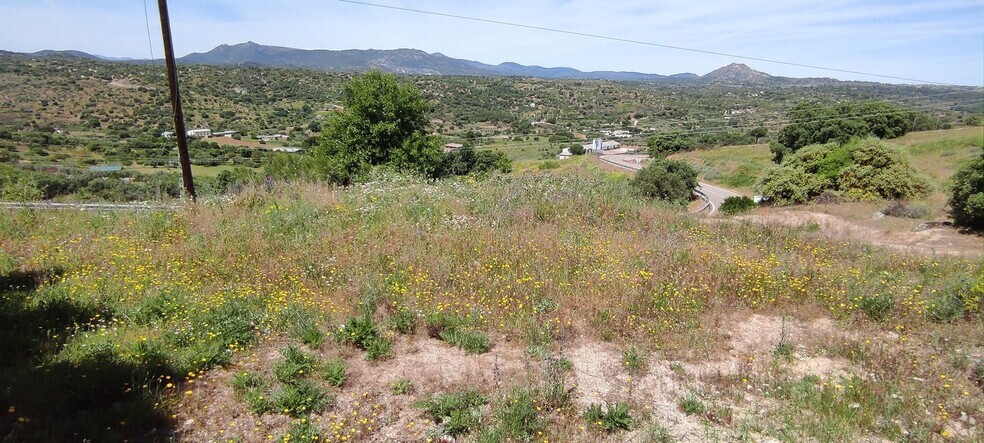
(90, 206)
(697, 192)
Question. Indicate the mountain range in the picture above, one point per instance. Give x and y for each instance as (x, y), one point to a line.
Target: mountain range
(417, 62)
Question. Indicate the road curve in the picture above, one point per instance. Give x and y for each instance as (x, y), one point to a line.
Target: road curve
(714, 195)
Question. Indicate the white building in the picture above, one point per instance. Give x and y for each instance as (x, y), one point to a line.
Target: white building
(167, 134)
(270, 138)
(598, 145)
(564, 154)
(200, 133)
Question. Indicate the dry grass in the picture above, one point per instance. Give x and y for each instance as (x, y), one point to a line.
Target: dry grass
(553, 268)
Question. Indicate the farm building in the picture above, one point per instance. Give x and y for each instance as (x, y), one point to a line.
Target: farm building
(451, 147)
(200, 133)
(598, 145)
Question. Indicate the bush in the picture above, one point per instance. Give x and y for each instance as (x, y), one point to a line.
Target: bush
(902, 209)
(874, 170)
(670, 180)
(737, 205)
(967, 195)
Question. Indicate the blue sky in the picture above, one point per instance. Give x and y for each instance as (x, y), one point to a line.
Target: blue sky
(939, 40)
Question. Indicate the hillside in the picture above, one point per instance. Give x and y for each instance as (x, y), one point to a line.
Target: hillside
(530, 302)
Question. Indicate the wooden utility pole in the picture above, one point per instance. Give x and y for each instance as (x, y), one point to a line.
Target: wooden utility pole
(172, 80)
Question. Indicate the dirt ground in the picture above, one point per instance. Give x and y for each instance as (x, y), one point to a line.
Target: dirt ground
(937, 239)
(210, 411)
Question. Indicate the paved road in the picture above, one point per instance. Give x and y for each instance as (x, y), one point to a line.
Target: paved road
(714, 195)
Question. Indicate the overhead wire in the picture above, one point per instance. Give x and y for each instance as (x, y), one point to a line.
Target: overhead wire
(640, 42)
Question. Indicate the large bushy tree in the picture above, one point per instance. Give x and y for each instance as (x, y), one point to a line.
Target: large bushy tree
(384, 123)
(670, 180)
(967, 194)
(814, 123)
(861, 170)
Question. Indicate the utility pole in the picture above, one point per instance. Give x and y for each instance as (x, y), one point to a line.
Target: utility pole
(172, 80)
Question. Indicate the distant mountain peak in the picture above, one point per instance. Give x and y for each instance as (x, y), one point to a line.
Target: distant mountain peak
(735, 73)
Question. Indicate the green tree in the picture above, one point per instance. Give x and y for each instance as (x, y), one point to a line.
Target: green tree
(576, 149)
(384, 123)
(668, 143)
(967, 194)
(670, 180)
(758, 133)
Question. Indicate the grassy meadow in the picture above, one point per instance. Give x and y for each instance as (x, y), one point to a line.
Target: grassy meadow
(528, 307)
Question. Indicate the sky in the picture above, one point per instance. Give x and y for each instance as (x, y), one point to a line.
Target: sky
(933, 40)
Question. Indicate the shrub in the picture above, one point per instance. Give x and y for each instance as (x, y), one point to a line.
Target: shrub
(967, 194)
(902, 209)
(670, 180)
(736, 205)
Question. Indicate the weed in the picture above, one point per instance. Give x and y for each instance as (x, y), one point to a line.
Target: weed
(302, 430)
(379, 349)
(516, 418)
(784, 348)
(945, 309)
(334, 372)
(877, 307)
(457, 412)
(438, 322)
(244, 381)
(403, 386)
(472, 342)
(359, 331)
(301, 324)
(252, 389)
(404, 321)
(657, 433)
(977, 374)
(296, 364)
(301, 398)
(611, 418)
(633, 360)
(691, 405)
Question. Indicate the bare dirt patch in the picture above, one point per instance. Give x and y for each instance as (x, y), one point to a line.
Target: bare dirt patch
(940, 240)
(212, 411)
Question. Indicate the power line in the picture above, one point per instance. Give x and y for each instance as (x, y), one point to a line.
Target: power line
(150, 40)
(640, 42)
